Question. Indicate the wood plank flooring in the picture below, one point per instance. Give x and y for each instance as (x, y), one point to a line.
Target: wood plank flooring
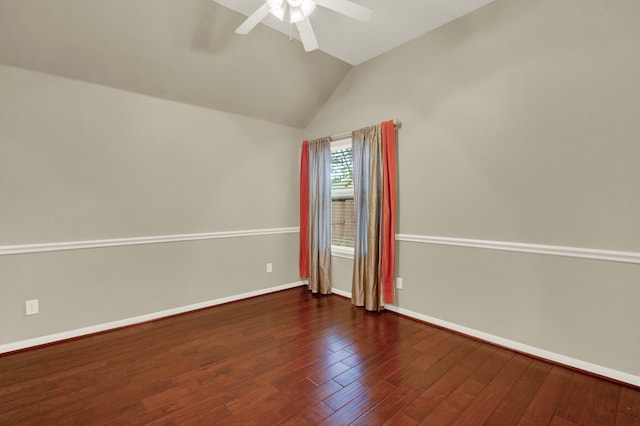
(293, 358)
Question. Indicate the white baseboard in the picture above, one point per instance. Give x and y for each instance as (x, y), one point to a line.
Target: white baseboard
(65, 335)
(516, 346)
(510, 344)
(341, 292)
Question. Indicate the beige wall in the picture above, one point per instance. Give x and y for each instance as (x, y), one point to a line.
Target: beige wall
(519, 125)
(85, 162)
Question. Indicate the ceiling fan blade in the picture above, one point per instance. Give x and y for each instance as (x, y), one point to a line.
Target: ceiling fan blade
(307, 35)
(253, 20)
(348, 8)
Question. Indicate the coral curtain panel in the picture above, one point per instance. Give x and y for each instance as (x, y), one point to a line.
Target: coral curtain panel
(388, 210)
(374, 199)
(304, 211)
(317, 203)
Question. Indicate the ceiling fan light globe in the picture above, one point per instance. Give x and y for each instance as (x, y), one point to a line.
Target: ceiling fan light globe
(295, 15)
(278, 12)
(307, 7)
(295, 3)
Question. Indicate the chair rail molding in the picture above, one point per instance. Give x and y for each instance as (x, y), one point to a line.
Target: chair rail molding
(87, 244)
(578, 252)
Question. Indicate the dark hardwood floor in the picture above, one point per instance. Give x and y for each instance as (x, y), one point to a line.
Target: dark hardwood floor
(294, 358)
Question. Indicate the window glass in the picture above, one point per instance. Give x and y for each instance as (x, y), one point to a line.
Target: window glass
(342, 211)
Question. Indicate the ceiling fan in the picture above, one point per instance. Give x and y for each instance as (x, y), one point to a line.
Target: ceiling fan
(299, 12)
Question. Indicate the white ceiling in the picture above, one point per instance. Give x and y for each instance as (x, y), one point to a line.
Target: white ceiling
(187, 51)
(392, 23)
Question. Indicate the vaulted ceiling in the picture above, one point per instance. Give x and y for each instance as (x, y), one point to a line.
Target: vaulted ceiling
(186, 50)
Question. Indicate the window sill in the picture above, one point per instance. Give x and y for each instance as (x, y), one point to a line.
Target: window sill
(340, 251)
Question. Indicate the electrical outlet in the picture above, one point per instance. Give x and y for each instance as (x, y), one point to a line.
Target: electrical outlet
(31, 307)
(269, 267)
(399, 283)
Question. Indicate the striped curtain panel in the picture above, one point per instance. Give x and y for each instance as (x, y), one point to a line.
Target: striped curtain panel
(315, 214)
(374, 182)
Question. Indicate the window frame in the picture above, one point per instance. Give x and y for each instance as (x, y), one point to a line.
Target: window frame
(342, 251)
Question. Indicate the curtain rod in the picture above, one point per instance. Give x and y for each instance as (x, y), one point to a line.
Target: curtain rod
(397, 123)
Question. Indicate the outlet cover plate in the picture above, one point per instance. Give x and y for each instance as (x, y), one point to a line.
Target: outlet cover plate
(31, 307)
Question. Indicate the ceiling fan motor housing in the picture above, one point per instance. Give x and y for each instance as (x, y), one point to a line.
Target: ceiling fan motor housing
(298, 9)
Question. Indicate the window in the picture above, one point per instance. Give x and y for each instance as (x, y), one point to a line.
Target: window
(342, 209)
